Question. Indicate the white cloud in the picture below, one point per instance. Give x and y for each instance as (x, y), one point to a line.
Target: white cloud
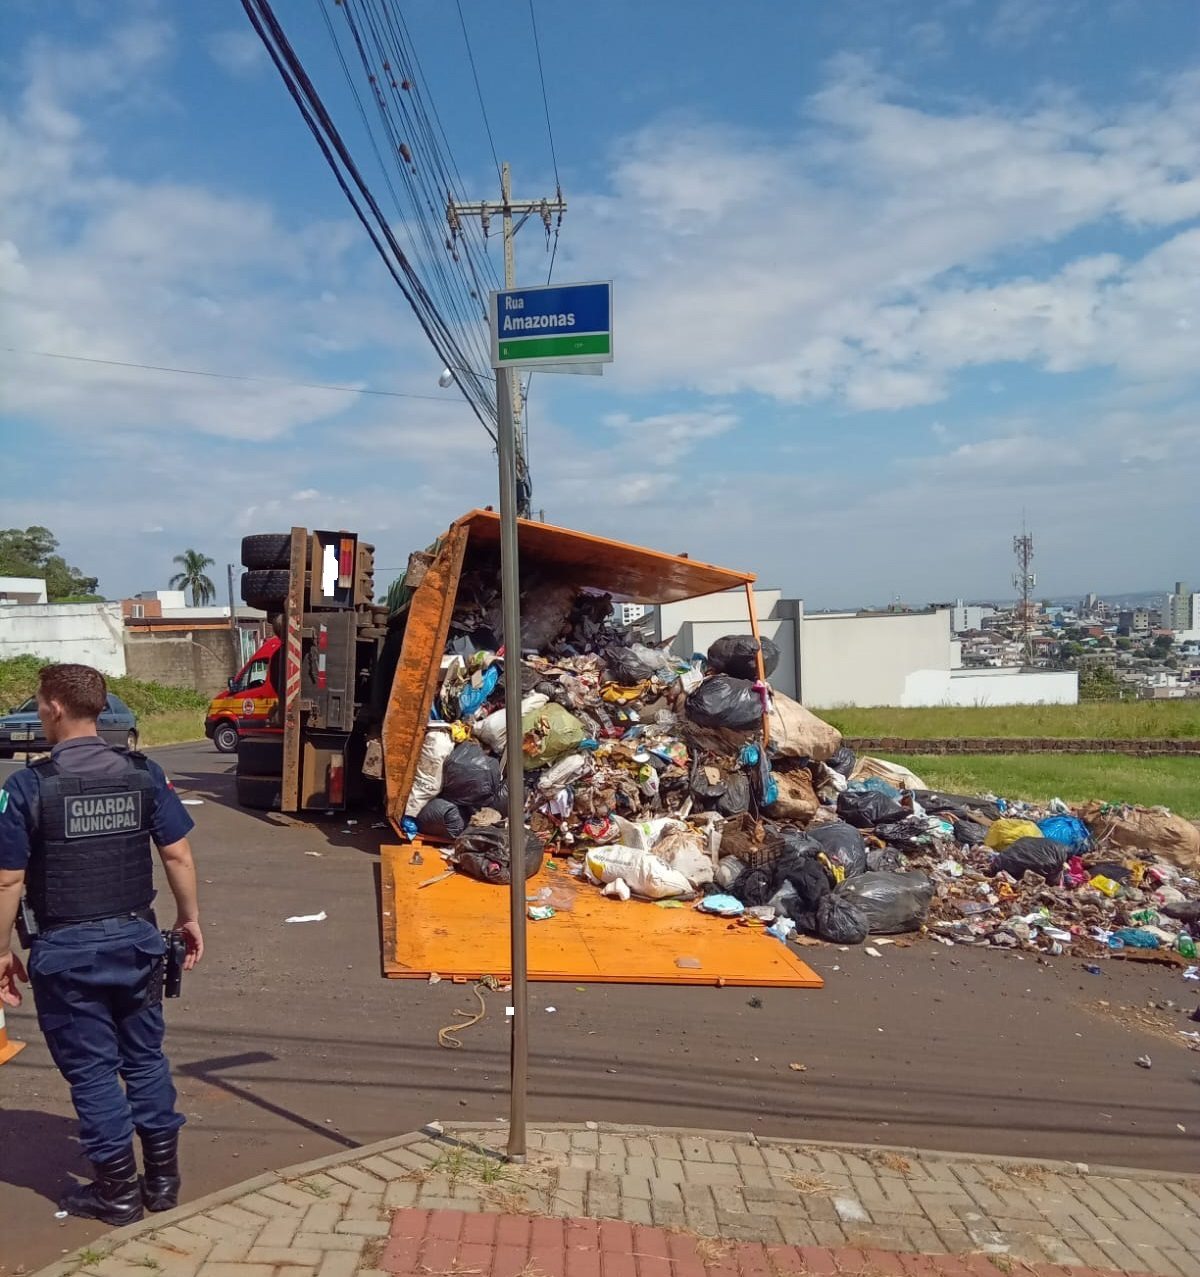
(164, 272)
(1017, 21)
(674, 432)
(856, 259)
(238, 51)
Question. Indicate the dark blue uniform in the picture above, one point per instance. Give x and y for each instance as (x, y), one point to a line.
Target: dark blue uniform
(98, 984)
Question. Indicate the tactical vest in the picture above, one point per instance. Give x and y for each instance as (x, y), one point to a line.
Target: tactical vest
(92, 854)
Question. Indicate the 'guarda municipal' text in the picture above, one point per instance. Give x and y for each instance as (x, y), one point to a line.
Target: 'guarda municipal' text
(103, 814)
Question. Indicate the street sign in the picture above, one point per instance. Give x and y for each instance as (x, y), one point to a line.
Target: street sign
(552, 325)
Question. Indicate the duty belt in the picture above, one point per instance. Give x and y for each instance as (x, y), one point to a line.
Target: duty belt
(133, 915)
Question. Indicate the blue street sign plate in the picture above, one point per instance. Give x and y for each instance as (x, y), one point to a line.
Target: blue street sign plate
(553, 325)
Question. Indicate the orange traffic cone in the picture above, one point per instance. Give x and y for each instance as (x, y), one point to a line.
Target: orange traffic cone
(7, 1049)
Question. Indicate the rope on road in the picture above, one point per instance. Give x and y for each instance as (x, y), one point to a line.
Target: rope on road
(448, 1036)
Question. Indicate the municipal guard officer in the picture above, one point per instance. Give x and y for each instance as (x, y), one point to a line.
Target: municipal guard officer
(75, 834)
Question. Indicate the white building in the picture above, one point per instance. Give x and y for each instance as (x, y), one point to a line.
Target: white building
(627, 613)
(1182, 612)
(830, 659)
(968, 616)
(22, 589)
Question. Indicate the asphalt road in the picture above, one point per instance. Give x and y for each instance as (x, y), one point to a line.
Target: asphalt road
(288, 1044)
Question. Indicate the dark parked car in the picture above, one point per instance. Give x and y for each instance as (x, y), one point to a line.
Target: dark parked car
(21, 731)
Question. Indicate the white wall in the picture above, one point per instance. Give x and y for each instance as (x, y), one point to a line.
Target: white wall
(852, 659)
(80, 633)
(990, 687)
(168, 598)
(22, 589)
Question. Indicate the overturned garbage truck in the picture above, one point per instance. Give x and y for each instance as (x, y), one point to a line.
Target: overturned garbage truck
(359, 681)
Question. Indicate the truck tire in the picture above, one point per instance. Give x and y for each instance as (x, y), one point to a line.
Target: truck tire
(225, 738)
(259, 793)
(265, 590)
(267, 550)
(260, 758)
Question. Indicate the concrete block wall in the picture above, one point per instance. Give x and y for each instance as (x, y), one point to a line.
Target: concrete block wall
(201, 660)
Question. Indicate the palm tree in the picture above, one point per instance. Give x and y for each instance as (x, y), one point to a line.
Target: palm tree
(192, 577)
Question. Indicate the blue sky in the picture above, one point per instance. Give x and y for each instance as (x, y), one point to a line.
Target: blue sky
(887, 275)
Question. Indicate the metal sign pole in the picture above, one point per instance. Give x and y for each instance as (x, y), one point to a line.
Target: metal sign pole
(510, 583)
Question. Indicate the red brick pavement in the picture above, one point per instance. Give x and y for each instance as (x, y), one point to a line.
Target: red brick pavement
(457, 1244)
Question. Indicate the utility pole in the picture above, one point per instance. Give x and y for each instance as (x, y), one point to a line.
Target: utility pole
(485, 210)
(1024, 580)
(234, 638)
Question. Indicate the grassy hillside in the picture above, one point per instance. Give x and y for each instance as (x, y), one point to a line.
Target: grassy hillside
(1106, 720)
(1149, 782)
(166, 715)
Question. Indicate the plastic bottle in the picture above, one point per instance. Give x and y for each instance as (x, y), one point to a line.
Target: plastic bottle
(1185, 945)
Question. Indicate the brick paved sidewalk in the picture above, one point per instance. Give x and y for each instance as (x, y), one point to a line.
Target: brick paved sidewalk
(681, 1204)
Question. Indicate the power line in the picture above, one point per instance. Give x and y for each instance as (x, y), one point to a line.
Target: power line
(224, 376)
(364, 204)
(545, 101)
(479, 92)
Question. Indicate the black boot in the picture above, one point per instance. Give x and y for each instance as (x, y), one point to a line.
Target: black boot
(160, 1152)
(113, 1197)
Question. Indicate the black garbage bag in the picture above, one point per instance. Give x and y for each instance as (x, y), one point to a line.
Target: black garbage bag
(440, 818)
(867, 808)
(1032, 855)
(909, 833)
(1109, 869)
(840, 921)
(705, 789)
(737, 654)
(797, 852)
(885, 859)
(892, 903)
(722, 701)
(482, 852)
(753, 887)
(843, 761)
(626, 667)
(807, 878)
(470, 778)
(736, 798)
(962, 805)
(843, 844)
(968, 832)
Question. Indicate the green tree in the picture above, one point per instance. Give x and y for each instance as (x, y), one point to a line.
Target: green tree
(1098, 683)
(193, 577)
(1162, 644)
(31, 553)
(1125, 644)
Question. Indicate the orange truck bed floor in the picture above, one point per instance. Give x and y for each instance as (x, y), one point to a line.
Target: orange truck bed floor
(459, 928)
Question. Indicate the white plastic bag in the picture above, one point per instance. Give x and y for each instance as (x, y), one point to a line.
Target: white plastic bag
(492, 732)
(563, 772)
(643, 834)
(645, 873)
(427, 783)
(685, 851)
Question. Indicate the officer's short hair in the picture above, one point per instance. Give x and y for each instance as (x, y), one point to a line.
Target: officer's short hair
(79, 689)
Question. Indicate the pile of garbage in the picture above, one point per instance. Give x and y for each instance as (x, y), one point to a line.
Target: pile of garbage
(664, 778)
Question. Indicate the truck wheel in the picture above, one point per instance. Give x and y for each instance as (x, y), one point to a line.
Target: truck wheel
(225, 738)
(265, 590)
(267, 550)
(259, 758)
(259, 793)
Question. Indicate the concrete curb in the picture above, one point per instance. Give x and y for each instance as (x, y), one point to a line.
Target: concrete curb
(470, 1132)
